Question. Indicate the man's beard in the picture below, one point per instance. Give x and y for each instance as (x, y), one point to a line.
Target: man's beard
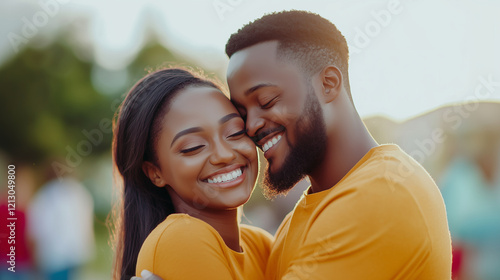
(307, 153)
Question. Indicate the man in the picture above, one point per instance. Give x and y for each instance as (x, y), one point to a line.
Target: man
(372, 212)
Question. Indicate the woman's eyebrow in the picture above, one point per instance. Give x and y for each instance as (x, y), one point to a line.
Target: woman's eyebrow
(184, 132)
(228, 117)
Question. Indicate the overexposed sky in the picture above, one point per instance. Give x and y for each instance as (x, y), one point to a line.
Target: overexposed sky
(407, 57)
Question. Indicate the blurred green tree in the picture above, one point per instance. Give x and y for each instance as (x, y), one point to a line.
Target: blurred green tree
(49, 106)
(151, 57)
(47, 100)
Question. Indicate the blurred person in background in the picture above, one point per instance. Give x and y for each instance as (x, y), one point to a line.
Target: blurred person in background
(187, 166)
(23, 269)
(61, 225)
(471, 190)
(23, 248)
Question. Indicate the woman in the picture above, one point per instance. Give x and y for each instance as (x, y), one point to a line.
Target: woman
(187, 165)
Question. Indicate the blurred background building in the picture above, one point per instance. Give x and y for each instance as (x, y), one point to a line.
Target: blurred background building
(424, 75)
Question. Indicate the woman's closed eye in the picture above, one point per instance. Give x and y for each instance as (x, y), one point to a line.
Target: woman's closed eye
(239, 133)
(191, 150)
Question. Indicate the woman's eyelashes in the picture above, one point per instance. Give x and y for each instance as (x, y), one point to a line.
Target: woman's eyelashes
(191, 150)
(239, 133)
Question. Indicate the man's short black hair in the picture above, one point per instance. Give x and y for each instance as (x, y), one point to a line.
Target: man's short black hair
(304, 37)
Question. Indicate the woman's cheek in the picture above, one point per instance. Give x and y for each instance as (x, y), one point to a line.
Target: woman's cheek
(189, 167)
(247, 149)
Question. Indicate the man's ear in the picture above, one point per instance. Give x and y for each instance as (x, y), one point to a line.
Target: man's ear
(153, 173)
(331, 79)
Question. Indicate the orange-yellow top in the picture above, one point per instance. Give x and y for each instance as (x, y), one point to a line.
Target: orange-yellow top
(184, 247)
(384, 220)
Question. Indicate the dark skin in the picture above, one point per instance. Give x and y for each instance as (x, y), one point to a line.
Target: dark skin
(270, 93)
(255, 75)
(202, 137)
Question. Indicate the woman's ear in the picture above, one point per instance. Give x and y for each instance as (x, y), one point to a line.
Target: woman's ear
(153, 173)
(331, 79)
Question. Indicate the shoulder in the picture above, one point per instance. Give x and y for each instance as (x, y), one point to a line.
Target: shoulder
(387, 196)
(284, 226)
(179, 244)
(395, 166)
(256, 236)
(182, 232)
(176, 238)
(257, 244)
(388, 179)
(255, 233)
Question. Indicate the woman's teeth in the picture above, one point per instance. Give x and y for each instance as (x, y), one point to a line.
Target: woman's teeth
(226, 177)
(271, 143)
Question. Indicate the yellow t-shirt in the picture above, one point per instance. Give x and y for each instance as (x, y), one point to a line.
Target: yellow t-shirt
(184, 247)
(384, 220)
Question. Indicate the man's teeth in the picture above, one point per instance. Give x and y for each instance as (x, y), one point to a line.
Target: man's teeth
(271, 143)
(226, 177)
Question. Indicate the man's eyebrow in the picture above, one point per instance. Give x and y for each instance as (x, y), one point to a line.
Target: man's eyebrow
(184, 132)
(257, 87)
(228, 117)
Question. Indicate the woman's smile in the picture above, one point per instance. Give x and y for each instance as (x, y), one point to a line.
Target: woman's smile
(228, 177)
(203, 137)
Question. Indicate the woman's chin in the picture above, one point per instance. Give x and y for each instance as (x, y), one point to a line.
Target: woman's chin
(236, 200)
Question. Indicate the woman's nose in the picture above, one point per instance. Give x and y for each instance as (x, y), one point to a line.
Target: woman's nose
(222, 153)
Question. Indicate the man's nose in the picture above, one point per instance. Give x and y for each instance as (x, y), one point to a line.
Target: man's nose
(254, 123)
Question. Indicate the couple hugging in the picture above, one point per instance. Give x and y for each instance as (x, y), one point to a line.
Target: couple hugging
(188, 159)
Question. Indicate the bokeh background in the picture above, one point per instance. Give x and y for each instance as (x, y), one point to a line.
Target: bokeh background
(424, 74)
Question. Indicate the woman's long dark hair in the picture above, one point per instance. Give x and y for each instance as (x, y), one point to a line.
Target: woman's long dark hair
(143, 205)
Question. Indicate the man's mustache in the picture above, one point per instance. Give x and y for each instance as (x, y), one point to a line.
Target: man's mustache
(263, 134)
